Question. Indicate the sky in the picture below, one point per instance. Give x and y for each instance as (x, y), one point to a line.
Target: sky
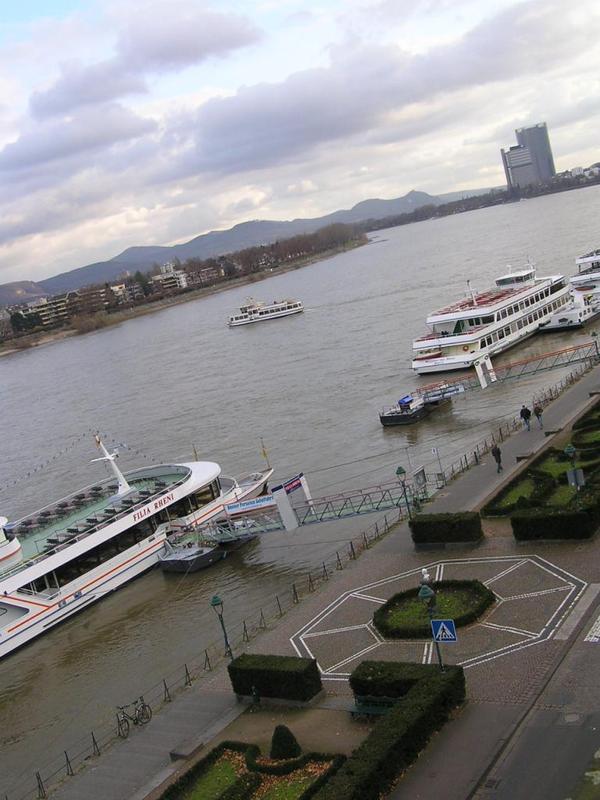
(143, 122)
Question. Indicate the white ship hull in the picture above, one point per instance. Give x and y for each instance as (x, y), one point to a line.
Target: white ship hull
(26, 614)
(271, 315)
(449, 363)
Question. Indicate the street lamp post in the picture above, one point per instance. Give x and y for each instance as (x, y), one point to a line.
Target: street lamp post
(217, 605)
(401, 472)
(427, 595)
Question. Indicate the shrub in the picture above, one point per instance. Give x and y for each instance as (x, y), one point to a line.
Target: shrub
(243, 788)
(464, 526)
(480, 598)
(399, 736)
(284, 743)
(286, 677)
(560, 524)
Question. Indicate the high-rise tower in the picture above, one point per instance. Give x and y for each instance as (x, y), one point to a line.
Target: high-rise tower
(530, 160)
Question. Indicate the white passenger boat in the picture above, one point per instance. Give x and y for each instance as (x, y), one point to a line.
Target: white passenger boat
(585, 296)
(489, 322)
(258, 311)
(67, 555)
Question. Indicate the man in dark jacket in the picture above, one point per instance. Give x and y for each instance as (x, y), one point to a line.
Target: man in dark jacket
(497, 454)
(525, 415)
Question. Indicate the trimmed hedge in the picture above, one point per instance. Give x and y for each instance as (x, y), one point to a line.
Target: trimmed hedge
(285, 677)
(483, 598)
(464, 526)
(243, 788)
(288, 765)
(284, 744)
(399, 736)
(542, 524)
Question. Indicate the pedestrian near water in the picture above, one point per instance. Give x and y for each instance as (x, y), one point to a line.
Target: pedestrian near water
(497, 454)
(525, 415)
(538, 411)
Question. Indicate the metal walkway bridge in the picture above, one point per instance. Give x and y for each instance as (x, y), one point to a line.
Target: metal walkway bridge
(587, 352)
(359, 501)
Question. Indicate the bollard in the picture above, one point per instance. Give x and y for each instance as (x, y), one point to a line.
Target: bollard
(166, 692)
(40, 787)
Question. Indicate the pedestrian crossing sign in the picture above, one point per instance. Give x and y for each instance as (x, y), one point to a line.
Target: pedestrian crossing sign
(443, 630)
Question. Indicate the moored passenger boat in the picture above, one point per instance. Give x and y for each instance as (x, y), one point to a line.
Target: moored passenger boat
(69, 554)
(489, 322)
(258, 311)
(584, 305)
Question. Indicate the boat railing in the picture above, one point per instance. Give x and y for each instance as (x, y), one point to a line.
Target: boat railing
(93, 529)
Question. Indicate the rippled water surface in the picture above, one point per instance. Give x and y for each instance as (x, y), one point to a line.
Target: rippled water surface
(311, 385)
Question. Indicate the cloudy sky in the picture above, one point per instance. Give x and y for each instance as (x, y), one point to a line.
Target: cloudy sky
(128, 122)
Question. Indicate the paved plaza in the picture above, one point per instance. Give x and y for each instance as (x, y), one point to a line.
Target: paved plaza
(530, 662)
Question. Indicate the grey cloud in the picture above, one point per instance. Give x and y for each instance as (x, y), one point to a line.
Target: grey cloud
(63, 139)
(81, 85)
(268, 123)
(154, 42)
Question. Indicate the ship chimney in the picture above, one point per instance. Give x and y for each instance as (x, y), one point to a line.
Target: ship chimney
(472, 293)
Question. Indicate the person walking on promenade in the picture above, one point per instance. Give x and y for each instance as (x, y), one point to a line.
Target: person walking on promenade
(538, 411)
(497, 454)
(525, 415)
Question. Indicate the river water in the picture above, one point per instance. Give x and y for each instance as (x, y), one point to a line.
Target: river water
(310, 385)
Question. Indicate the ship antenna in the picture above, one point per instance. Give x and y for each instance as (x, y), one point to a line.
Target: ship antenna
(473, 296)
(123, 487)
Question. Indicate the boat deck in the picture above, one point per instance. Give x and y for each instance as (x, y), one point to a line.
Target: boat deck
(57, 525)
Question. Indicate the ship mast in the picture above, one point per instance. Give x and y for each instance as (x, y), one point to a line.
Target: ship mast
(123, 487)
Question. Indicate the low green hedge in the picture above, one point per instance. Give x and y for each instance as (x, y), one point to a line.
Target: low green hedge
(243, 788)
(399, 736)
(544, 485)
(560, 524)
(482, 599)
(590, 418)
(285, 677)
(464, 526)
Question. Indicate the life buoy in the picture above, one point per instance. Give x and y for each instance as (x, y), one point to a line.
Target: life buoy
(466, 348)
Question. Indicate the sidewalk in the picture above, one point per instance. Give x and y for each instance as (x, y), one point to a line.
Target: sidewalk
(453, 763)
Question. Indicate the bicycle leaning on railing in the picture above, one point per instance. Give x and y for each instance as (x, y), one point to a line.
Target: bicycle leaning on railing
(142, 714)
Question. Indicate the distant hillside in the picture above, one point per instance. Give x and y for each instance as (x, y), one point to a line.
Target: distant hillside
(216, 243)
(20, 292)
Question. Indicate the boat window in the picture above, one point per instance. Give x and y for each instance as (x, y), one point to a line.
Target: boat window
(487, 320)
(458, 327)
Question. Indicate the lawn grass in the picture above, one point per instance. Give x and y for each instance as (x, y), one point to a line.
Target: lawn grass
(562, 495)
(211, 785)
(523, 489)
(450, 603)
(589, 437)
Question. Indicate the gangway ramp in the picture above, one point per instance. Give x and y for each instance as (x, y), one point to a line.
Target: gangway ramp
(587, 352)
(357, 501)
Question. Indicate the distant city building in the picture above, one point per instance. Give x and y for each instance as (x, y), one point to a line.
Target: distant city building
(170, 279)
(530, 161)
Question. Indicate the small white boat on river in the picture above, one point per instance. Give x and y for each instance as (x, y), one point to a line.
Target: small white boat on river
(258, 311)
(67, 555)
(487, 323)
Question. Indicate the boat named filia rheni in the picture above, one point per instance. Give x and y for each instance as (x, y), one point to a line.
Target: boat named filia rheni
(489, 322)
(67, 555)
(259, 311)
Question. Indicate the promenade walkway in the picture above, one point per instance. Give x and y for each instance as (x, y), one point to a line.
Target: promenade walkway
(502, 692)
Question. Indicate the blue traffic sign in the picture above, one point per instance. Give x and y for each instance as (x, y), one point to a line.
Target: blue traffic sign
(443, 630)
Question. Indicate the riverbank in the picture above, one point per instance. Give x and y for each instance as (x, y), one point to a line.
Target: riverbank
(110, 320)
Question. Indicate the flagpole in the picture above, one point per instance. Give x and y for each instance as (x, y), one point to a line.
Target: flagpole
(264, 452)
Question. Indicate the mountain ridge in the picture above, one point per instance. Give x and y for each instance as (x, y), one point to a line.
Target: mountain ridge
(216, 243)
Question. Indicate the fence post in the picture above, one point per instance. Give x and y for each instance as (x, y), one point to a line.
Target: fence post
(352, 552)
(188, 677)
(325, 573)
(279, 605)
(311, 586)
(68, 764)
(40, 787)
(262, 623)
(245, 637)
(365, 540)
(339, 564)
(295, 597)
(95, 748)
(500, 434)
(476, 456)
(167, 693)
(207, 665)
